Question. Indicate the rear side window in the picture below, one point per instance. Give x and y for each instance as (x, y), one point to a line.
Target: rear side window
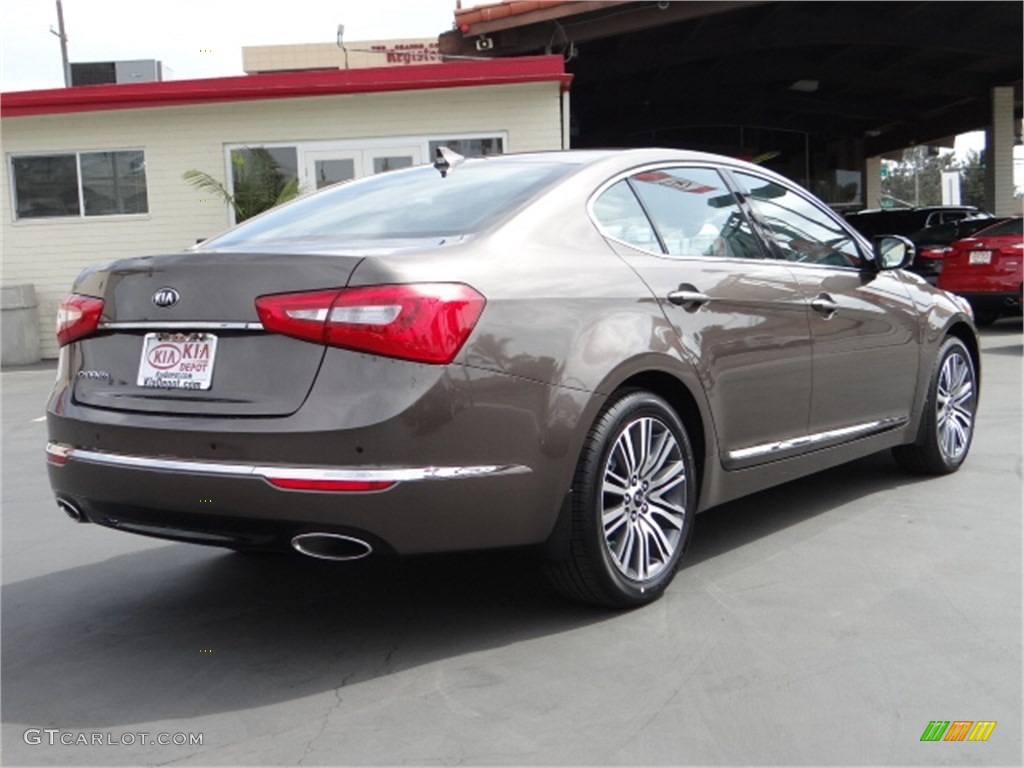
(619, 215)
(405, 204)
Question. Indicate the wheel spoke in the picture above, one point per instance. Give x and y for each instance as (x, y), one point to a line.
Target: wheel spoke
(614, 484)
(624, 551)
(643, 555)
(662, 549)
(613, 519)
(670, 478)
(625, 448)
(671, 513)
(659, 455)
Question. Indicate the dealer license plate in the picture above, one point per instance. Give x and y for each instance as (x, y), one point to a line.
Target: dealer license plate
(980, 257)
(177, 360)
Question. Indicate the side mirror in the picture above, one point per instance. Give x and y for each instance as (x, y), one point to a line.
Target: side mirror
(893, 252)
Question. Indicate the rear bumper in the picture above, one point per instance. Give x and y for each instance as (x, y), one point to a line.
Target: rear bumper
(476, 460)
(423, 509)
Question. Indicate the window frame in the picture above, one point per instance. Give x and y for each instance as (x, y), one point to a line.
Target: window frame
(81, 215)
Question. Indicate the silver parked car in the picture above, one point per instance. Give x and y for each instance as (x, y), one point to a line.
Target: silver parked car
(570, 352)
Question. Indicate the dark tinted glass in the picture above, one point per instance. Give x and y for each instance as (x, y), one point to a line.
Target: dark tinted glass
(46, 185)
(404, 204)
(114, 183)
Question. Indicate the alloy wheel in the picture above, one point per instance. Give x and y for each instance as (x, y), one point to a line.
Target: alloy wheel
(643, 499)
(954, 406)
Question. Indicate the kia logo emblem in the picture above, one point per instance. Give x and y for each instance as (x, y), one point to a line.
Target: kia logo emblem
(166, 297)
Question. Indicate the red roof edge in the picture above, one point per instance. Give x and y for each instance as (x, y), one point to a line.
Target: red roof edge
(284, 85)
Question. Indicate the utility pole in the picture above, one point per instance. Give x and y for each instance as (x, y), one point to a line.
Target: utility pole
(63, 44)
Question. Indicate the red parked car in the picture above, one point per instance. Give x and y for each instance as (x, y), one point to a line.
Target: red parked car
(986, 270)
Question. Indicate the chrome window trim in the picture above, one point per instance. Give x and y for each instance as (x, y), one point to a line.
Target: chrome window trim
(204, 325)
(780, 448)
(67, 453)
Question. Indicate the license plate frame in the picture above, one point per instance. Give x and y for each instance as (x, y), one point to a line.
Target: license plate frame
(979, 257)
(176, 361)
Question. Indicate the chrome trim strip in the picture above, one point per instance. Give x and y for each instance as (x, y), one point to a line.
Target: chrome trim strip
(348, 474)
(810, 441)
(203, 325)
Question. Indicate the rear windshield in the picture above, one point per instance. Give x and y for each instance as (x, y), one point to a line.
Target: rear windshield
(1011, 227)
(404, 204)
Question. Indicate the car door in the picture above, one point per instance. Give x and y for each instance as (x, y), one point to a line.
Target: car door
(863, 323)
(738, 315)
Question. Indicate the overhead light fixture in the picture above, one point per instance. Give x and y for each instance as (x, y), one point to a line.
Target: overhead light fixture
(804, 86)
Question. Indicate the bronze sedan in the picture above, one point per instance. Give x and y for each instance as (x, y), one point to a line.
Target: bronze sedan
(572, 352)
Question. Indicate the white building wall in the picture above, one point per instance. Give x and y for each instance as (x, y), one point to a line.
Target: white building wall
(49, 253)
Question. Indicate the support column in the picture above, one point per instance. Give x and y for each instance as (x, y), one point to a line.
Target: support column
(873, 182)
(999, 155)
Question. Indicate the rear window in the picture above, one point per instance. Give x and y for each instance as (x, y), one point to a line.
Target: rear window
(1011, 227)
(404, 204)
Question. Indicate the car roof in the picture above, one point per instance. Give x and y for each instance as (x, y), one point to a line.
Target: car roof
(613, 160)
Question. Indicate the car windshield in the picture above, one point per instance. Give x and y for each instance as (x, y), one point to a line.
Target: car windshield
(1011, 227)
(411, 203)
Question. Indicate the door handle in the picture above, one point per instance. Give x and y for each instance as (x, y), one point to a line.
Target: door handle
(688, 297)
(825, 305)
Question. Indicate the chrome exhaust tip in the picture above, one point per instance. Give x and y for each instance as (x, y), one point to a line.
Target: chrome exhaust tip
(71, 509)
(330, 546)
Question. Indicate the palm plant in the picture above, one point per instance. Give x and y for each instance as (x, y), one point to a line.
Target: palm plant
(259, 183)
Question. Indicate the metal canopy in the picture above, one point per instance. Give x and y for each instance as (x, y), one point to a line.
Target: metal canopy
(890, 73)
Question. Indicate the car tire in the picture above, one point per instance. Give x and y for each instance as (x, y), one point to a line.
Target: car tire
(947, 422)
(632, 505)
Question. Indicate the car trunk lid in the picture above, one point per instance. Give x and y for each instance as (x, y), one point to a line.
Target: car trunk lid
(180, 334)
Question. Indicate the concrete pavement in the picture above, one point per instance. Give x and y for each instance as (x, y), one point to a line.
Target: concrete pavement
(827, 621)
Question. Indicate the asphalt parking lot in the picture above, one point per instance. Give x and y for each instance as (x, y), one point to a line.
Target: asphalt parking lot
(827, 621)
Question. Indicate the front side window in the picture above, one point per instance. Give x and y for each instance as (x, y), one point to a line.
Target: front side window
(109, 183)
(800, 230)
(695, 213)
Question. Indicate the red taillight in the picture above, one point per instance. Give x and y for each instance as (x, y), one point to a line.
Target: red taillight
(77, 316)
(339, 486)
(936, 253)
(424, 322)
(58, 453)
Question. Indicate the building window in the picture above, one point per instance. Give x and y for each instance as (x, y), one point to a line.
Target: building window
(491, 145)
(262, 177)
(80, 184)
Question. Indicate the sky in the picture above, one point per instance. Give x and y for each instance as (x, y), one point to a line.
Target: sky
(195, 38)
